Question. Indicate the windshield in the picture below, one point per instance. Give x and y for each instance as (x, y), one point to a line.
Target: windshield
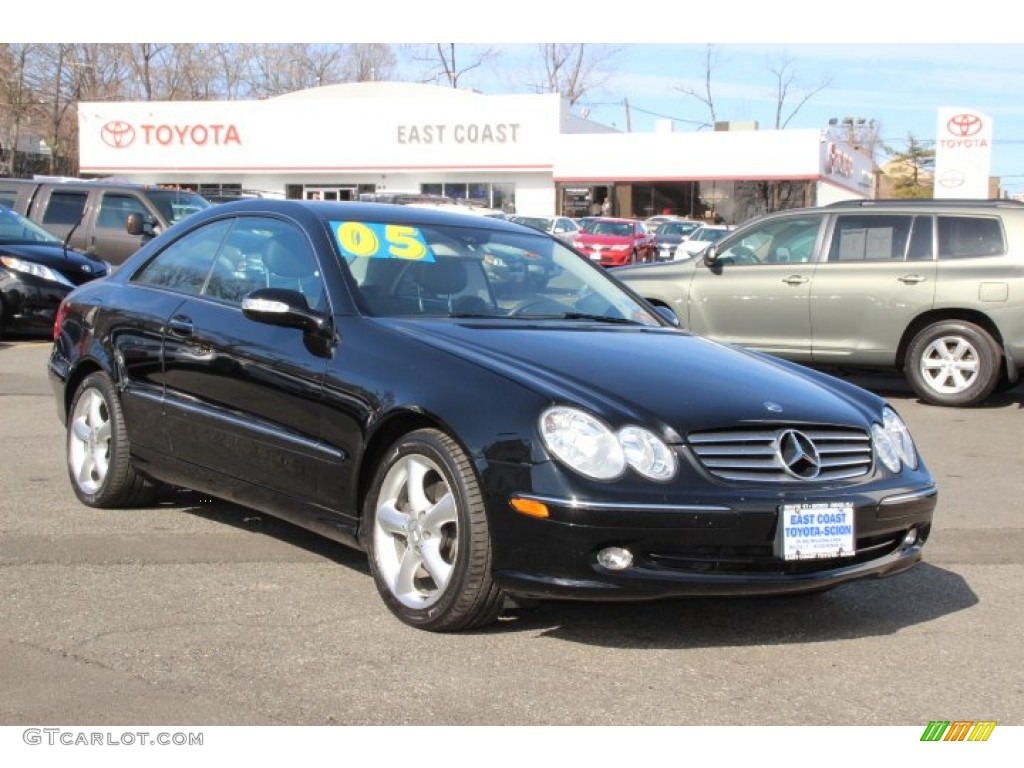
(704, 235)
(175, 204)
(462, 271)
(533, 221)
(15, 228)
(613, 228)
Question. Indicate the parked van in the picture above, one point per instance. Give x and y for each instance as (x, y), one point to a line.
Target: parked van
(95, 213)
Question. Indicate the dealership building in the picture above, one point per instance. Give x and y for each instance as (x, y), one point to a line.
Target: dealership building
(516, 152)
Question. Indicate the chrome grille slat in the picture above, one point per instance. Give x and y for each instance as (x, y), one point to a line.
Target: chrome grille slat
(753, 455)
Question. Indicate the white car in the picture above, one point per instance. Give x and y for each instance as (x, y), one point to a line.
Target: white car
(700, 239)
(562, 227)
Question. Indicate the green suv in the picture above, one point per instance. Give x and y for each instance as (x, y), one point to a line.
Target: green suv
(932, 288)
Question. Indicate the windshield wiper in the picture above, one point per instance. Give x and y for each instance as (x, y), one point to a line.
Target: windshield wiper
(581, 316)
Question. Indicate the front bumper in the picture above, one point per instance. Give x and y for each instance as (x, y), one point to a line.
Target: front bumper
(700, 550)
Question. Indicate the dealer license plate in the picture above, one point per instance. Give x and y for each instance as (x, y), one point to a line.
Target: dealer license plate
(815, 531)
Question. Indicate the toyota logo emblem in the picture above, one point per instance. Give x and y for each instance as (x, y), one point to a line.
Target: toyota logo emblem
(951, 179)
(117, 134)
(798, 455)
(964, 125)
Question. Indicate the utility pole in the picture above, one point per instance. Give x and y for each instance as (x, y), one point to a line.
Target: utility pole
(629, 120)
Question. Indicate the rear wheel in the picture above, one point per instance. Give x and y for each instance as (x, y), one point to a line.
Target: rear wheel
(954, 363)
(427, 536)
(98, 459)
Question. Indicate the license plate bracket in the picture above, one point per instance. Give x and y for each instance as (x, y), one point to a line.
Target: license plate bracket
(815, 531)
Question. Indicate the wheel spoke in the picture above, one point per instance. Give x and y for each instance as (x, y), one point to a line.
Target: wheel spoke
(392, 521)
(443, 512)
(404, 583)
(96, 417)
(81, 430)
(102, 434)
(417, 491)
(84, 470)
(439, 569)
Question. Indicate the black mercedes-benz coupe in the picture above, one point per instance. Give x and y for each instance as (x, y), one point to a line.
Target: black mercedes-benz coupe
(348, 367)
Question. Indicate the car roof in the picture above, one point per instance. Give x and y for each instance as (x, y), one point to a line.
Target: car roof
(362, 211)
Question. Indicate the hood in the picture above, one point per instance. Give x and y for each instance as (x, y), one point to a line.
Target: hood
(666, 378)
(52, 256)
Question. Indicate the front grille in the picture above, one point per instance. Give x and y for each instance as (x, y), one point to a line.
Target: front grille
(757, 454)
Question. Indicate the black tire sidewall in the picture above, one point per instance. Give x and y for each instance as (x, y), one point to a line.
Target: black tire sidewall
(989, 357)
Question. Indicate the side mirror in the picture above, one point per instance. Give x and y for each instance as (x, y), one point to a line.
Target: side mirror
(134, 224)
(666, 313)
(710, 256)
(284, 307)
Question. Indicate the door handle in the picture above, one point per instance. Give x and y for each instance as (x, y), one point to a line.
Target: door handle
(180, 325)
(795, 280)
(912, 279)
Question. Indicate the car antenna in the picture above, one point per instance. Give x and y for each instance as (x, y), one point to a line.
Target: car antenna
(67, 237)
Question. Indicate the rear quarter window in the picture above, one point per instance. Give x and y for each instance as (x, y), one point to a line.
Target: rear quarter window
(968, 237)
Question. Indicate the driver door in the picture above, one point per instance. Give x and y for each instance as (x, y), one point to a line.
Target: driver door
(757, 294)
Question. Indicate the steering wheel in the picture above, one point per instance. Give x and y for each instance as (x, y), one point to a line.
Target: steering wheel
(741, 254)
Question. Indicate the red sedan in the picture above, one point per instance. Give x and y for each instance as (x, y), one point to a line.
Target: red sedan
(614, 242)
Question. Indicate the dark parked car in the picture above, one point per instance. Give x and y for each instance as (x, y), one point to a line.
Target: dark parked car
(367, 383)
(36, 272)
(668, 235)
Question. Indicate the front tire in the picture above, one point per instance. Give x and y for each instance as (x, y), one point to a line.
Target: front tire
(953, 363)
(427, 536)
(98, 458)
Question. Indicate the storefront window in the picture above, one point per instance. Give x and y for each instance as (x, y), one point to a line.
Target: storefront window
(501, 196)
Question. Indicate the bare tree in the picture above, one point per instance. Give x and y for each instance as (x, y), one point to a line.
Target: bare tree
(445, 65)
(705, 96)
(575, 69)
(368, 62)
(786, 87)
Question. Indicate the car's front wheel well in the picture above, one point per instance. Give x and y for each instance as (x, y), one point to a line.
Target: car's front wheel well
(940, 315)
(397, 425)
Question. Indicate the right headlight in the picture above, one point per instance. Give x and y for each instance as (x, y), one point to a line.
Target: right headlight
(587, 445)
(893, 444)
(36, 270)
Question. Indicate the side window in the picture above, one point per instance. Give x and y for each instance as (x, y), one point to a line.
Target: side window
(262, 252)
(114, 210)
(965, 237)
(921, 240)
(860, 237)
(782, 241)
(7, 199)
(185, 264)
(65, 207)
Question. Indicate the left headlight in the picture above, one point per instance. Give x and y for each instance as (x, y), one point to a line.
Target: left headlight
(36, 270)
(587, 445)
(893, 443)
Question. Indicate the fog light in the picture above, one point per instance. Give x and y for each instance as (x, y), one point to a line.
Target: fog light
(910, 539)
(615, 558)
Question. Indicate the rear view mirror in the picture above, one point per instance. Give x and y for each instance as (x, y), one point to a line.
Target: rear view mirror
(710, 256)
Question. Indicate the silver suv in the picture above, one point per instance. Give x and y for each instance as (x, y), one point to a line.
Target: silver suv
(932, 288)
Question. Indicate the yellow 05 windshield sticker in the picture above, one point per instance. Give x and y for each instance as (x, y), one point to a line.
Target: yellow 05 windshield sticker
(381, 241)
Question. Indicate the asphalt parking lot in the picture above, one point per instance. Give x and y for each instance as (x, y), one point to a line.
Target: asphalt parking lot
(200, 612)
